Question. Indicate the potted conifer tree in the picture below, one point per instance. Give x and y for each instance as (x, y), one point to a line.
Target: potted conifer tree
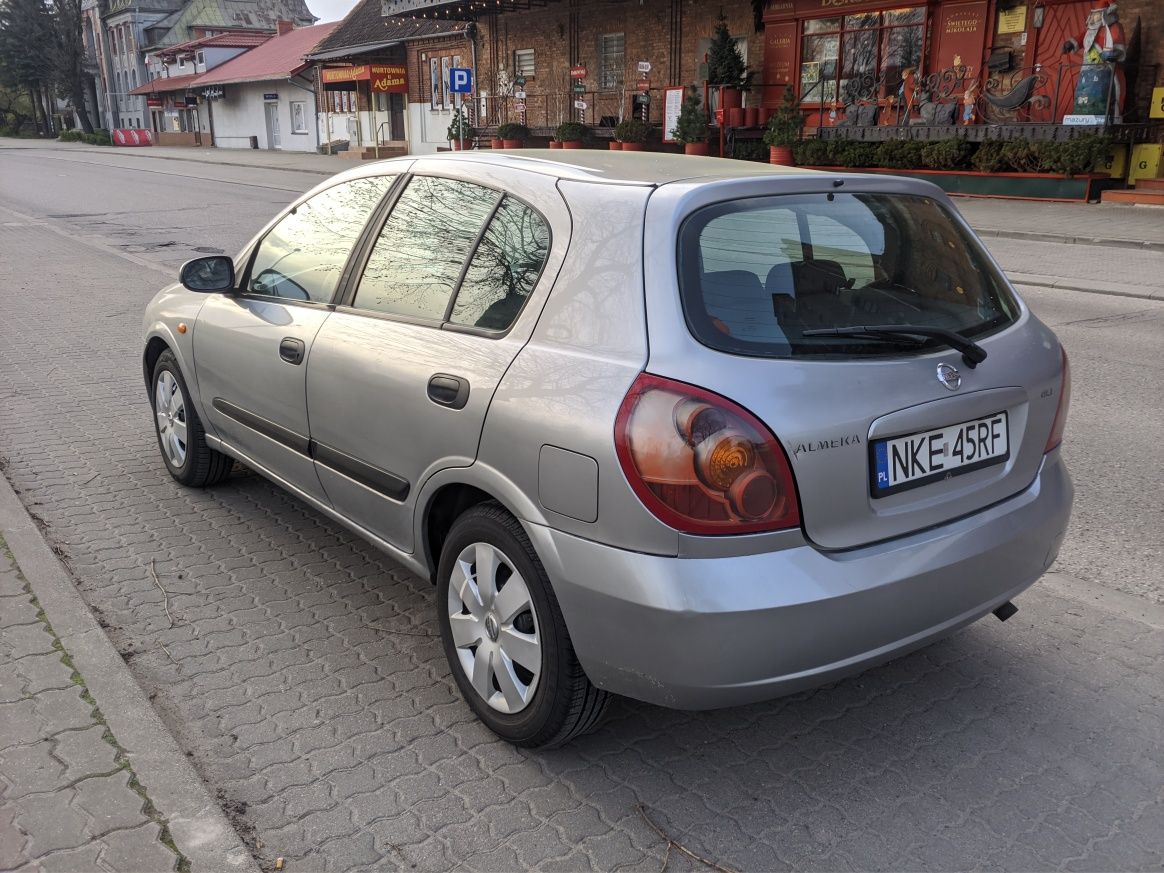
(784, 129)
(459, 130)
(570, 134)
(513, 135)
(691, 126)
(726, 71)
(633, 134)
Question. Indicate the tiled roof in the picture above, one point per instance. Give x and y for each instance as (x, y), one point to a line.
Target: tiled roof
(241, 39)
(165, 84)
(366, 28)
(242, 14)
(279, 58)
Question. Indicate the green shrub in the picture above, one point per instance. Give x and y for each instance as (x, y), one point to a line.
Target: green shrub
(947, 154)
(513, 130)
(813, 153)
(570, 131)
(632, 130)
(69, 136)
(989, 158)
(459, 127)
(691, 126)
(899, 154)
(749, 150)
(1073, 156)
(786, 123)
(97, 138)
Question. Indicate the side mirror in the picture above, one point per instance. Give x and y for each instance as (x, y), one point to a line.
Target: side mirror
(211, 274)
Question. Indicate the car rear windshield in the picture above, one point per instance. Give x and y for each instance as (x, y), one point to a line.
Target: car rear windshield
(757, 274)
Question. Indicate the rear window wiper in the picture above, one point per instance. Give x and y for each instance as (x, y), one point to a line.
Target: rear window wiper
(972, 353)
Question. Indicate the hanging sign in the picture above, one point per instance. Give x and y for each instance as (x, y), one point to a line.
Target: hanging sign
(579, 104)
(643, 84)
(644, 66)
(578, 72)
(271, 95)
(389, 78)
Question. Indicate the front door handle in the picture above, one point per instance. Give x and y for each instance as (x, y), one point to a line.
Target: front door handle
(450, 391)
(291, 350)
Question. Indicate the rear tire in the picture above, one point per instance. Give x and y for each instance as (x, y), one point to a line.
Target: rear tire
(535, 700)
(181, 437)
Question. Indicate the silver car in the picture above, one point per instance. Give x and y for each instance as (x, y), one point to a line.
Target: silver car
(695, 431)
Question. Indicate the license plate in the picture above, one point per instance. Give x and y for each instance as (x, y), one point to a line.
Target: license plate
(910, 461)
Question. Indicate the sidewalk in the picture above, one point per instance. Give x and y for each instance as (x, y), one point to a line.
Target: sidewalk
(89, 778)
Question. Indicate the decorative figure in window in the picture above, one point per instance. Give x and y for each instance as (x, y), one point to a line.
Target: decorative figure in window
(1100, 87)
(968, 101)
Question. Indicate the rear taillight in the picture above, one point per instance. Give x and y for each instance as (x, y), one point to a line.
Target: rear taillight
(702, 464)
(1061, 410)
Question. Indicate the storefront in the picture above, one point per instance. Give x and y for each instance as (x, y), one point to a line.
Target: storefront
(365, 104)
(174, 110)
(872, 63)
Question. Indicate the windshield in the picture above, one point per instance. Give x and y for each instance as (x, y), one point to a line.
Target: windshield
(756, 275)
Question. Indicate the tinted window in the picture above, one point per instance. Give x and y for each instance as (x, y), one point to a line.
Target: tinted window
(302, 256)
(419, 256)
(504, 268)
(756, 274)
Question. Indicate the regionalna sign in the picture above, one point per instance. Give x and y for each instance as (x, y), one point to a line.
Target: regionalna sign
(389, 78)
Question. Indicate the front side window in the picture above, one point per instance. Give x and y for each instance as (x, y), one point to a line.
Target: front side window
(421, 251)
(303, 256)
(757, 275)
(504, 269)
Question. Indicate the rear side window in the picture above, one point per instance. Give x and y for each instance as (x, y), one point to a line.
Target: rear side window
(417, 261)
(756, 274)
(504, 268)
(303, 256)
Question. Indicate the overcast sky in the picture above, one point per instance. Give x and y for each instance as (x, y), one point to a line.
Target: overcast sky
(330, 10)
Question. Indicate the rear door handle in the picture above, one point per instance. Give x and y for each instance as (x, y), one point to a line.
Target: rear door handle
(450, 391)
(291, 350)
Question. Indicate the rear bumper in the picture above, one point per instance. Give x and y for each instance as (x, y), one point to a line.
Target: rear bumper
(699, 633)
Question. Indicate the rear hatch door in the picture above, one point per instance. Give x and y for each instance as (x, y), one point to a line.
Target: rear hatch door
(885, 435)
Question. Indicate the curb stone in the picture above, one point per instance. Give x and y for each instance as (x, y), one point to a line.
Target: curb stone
(1113, 289)
(198, 827)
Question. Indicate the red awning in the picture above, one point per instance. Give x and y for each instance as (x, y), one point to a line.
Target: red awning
(166, 85)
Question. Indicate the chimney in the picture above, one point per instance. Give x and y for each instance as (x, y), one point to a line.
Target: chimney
(283, 26)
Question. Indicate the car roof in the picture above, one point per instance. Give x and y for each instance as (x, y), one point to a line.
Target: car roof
(613, 167)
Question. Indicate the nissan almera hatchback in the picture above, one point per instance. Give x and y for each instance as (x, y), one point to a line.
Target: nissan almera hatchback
(695, 431)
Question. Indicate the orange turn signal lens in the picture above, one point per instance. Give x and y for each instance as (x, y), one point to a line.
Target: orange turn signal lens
(701, 463)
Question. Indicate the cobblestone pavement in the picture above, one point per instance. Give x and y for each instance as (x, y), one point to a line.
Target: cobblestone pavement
(302, 675)
(68, 798)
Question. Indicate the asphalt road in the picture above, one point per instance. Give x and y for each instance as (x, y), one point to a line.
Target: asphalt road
(301, 674)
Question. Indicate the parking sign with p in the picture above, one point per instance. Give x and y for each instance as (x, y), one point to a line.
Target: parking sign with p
(460, 80)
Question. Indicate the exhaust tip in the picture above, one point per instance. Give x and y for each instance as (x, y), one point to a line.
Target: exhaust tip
(1005, 611)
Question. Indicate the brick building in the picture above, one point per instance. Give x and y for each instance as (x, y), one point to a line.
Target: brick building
(863, 68)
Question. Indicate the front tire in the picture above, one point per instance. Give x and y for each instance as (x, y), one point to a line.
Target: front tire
(181, 437)
(504, 635)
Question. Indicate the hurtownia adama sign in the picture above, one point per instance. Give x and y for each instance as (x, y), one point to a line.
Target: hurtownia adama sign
(390, 78)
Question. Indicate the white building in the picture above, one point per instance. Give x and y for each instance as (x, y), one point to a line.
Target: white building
(266, 97)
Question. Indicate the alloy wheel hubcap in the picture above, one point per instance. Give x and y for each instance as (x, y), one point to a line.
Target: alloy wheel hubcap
(494, 628)
(170, 414)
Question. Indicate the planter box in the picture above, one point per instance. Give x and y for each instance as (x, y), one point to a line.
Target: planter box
(1014, 186)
